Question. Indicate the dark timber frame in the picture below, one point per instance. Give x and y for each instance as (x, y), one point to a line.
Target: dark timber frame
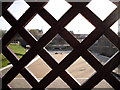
(57, 27)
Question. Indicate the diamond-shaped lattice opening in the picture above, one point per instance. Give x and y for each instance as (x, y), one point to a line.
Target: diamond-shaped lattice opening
(18, 8)
(36, 33)
(37, 26)
(58, 83)
(103, 49)
(19, 82)
(4, 26)
(18, 45)
(115, 27)
(103, 84)
(101, 8)
(80, 27)
(3, 61)
(81, 70)
(59, 48)
(38, 67)
(5, 65)
(116, 73)
(57, 8)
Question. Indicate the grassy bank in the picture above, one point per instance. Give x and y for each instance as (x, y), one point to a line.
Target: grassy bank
(17, 49)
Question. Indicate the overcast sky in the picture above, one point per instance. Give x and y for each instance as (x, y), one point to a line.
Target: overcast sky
(57, 8)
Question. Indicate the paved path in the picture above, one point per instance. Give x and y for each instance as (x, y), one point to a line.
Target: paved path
(80, 70)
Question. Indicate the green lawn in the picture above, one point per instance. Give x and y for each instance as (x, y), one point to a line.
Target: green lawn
(3, 61)
(17, 49)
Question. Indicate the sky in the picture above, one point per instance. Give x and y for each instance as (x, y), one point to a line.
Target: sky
(57, 8)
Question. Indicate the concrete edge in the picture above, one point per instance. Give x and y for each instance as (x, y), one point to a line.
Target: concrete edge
(6, 67)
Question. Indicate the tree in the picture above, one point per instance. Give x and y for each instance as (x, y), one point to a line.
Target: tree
(58, 40)
(36, 33)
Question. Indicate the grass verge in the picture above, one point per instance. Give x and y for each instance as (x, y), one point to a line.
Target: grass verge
(17, 49)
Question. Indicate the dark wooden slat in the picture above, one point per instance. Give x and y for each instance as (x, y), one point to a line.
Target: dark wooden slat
(92, 60)
(39, 4)
(23, 62)
(116, 3)
(94, 36)
(113, 62)
(12, 73)
(113, 38)
(47, 17)
(22, 28)
(52, 75)
(8, 18)
(27, 36)
(20, 67)
(69, 38)
(58, 70)
(113, 81)
(30, 13)
(97, 65)
(96, 22)
(10, 55)
(109, 21)
(79, 49)
(62, 75)
(91, 17)
(58, 25)
(53, 64)
(25, 73)
(62, 22)
(100, 29)
(87, 41)
(68, 16)
(44, 40)
(49, 78)
(6, 5)
(5, 87)
(103, 72)
(97, 33)
(79, 4)
(70, 80)
(84, 46)
(112, 18)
